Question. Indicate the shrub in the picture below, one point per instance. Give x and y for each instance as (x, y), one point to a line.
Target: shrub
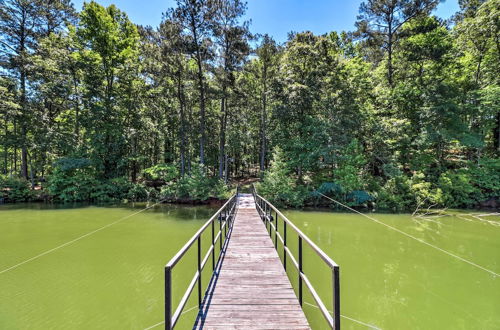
(349, 174)
(402, 193)
(139, 192)
(196, 186)
(466, 187)
(457, 187)
(13, 189)
(75, 179)
(72, 179)
(337, 192)
(165, 172)
(278, 186)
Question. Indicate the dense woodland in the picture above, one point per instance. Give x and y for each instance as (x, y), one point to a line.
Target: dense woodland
(402, 112)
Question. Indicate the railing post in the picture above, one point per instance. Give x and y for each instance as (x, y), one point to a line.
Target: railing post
(276, 232)
(284, 243)
(213, 246)
(225, 224)
(199, 272)
(336, 297)
(300, 270)
(268, 223)
(220, 230)
(168, 298)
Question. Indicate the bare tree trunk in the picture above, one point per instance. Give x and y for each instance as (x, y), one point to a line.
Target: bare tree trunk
(222, 133)
(263, 119)
(180, 96)
(389, 54)
(24, 148)
(6, 149)
(201, 86)
(77, 110)
(496, 135)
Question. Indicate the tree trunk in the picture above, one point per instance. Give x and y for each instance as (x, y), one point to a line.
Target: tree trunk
(496, 135)
(6, 149)
(182, 130)
(263, 150)
(222, 133)
(24, 148)
(77, 110)
(201, 86)
(389, 55)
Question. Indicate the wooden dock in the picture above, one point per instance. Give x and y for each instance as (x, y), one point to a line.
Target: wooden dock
(253, 290)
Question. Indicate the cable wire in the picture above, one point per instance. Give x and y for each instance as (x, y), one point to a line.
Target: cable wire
(413, 237)
(77, 239)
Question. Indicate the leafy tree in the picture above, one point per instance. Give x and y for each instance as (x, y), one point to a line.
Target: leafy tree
(195, 17)
(380, 22)
(232, 49)
(107, 50)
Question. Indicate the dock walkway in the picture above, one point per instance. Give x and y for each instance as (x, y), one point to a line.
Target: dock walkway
(251, 289)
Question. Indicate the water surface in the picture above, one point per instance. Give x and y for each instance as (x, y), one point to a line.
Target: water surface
(391, 281)
(113, 278)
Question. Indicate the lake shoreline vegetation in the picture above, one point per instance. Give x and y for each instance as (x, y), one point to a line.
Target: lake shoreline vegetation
(400, 114)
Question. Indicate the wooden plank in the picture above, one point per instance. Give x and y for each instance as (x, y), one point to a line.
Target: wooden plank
(252, 290)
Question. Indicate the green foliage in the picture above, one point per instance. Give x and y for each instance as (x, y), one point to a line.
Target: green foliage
(13, 189)
(458, 189)
(404, 193)
(350, 165)
(197, 186)
(403, 117)
(467, 187)
(278, 186)
(165, 172)
(72, 179)
(139, 192)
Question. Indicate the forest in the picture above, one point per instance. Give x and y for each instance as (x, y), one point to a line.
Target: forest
(399, 113)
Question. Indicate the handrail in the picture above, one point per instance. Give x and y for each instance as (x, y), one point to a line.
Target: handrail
(265, 209)
(226, 217)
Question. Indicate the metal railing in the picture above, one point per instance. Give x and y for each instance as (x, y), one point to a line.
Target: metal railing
(225, 215)
(265, 210)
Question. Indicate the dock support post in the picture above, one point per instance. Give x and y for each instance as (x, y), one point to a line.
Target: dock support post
(336, 298)
(213, 246)
(284, 244)
(300, 271)
(168, 298)
(276, 232)
(199, 272)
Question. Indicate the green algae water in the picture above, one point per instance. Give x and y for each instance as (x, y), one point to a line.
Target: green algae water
(113, 278)
(391, 281)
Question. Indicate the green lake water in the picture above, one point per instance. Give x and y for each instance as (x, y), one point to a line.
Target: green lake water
(391, 281)
(113, 278)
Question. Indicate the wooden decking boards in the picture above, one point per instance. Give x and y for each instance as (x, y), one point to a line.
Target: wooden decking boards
(250, 290)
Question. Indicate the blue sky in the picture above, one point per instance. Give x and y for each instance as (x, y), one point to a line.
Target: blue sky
(276, 17)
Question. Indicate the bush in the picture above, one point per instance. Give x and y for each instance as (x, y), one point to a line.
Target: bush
(196, 186)
(457, 187)
(337, 192)
(278, 186)
(402, 193)
(486, 177)
(111, 190)
(139, 192)
(467, 187)
(73, 179)
(13, 189)
(349, 173)
(164, 172)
